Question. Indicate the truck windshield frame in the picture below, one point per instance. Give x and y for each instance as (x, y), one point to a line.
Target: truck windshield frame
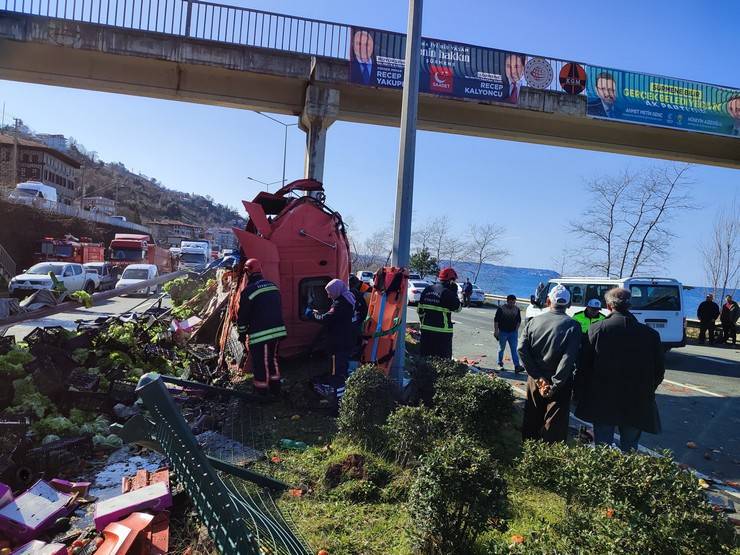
(126, 253)
(193, 257)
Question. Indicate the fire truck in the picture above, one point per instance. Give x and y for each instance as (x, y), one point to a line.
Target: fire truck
(70, 249)
(132, 248)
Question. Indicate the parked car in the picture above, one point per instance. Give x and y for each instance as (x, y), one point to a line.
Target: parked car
(72, 276)
(477, 298)
(415, 277)
(105, 272)
(136, 273)
(416, 287)
(366, 276)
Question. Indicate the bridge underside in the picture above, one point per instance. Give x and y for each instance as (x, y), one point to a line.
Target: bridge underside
(88, 56)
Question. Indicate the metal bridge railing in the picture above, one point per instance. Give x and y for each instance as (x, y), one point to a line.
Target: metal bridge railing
(201, 20)
(217, 22)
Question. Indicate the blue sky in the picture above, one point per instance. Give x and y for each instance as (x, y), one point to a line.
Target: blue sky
(532, 190)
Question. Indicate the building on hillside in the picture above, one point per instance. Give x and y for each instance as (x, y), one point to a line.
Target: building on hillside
(221, 238)
(171, 232)
(57, 142)
(100, 205)
(23, 160)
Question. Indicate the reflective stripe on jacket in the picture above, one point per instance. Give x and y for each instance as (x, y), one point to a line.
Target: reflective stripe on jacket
(436, 305)
(260, 313)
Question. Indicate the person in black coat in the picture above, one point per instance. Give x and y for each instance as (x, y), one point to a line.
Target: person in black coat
(340, 332)
(622, 368)
(707, 314)
(728, 318)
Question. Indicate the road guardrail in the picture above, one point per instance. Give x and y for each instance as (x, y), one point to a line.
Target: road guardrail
(97, 297)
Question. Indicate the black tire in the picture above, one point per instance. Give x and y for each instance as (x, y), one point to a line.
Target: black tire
(89, 287)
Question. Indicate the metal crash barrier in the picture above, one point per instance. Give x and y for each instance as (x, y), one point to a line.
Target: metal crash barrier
(235, 504)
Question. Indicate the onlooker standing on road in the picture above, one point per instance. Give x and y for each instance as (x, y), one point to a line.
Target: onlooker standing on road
(623, 366)
(506, 324)
(728, 318)
(585, 318)
(707, 313)
(467, 291)
(589, 315)
(549, 350)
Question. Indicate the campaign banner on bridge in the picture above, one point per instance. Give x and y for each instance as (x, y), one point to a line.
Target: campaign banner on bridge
(653, 100)
(447, 68)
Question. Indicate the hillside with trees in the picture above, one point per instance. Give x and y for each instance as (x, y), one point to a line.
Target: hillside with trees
(141, 198)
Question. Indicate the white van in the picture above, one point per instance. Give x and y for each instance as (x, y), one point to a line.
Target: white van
(28, 191)
(136, 273)
(657, 302)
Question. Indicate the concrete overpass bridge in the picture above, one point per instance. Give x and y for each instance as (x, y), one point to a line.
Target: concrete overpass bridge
(209, 53)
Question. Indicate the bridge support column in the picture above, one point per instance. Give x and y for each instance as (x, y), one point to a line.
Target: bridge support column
(319, 112)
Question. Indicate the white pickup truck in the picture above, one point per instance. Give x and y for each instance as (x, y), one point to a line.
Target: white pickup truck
(73, 276)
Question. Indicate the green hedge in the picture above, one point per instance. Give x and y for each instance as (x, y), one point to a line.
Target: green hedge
(621, 503)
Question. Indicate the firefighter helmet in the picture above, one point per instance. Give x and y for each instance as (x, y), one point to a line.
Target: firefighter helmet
(253, 266)
(447, 274)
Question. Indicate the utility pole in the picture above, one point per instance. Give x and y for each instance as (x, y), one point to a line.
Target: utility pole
(406, 158)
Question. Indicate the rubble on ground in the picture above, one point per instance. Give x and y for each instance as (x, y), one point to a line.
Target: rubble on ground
(62, 393)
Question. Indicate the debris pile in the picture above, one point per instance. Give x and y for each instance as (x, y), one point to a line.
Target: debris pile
(67, 482)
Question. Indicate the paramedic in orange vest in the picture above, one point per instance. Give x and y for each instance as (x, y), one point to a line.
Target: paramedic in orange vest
(260, 318)
(436, 305)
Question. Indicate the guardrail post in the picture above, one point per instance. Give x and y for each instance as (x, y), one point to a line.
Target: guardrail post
(188, 17)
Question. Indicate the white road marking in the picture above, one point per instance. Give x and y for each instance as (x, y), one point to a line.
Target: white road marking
(699, 389)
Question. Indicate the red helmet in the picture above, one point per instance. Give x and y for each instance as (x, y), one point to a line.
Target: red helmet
(447, 274)
(253, 266)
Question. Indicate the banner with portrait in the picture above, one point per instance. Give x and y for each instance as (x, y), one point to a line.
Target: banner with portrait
(448, 68)
(662, 101)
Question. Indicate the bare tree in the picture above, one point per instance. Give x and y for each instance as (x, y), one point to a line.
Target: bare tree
(597, 226)
(439, 236)
(485, 244)
(377, 247)
(351, 230)
(421, 236)
(453, 249)
(563, 263)
(669, 197)
(722, 252)
(626, 227)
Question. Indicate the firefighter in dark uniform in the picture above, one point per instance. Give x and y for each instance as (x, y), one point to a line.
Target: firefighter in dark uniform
(260, 318)
(436, 305)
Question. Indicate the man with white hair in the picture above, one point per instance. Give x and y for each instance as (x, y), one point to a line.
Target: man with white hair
(622, 367)
(548, 350)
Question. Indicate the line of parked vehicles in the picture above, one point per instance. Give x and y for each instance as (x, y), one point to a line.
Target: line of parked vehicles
(71, 264)
(417, 284)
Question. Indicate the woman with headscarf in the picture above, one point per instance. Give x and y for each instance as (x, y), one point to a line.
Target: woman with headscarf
(338, 320)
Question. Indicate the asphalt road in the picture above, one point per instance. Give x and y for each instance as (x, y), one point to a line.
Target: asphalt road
(110, 307)
(699, 400)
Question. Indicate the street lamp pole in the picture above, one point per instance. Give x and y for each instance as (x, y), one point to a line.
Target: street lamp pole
(265, 183)
(406, 158)
(285, 139)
